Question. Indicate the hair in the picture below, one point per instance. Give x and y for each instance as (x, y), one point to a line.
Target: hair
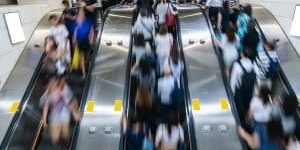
(139, 40)
(143, 98)
(246, 52)
(251, 25)
(171, 121)
(65, 2)
(248, 10)
(226, 5)
(290, 105)
(271, 44)
(53, 17)
(144, 66)
(264, 93)
(163, 30)
(54, 46)
(175, 56)
(230, 33)
(144, 12)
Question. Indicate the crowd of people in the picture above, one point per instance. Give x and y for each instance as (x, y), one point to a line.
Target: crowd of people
(67, 47)
(154, 120)
(251, 65)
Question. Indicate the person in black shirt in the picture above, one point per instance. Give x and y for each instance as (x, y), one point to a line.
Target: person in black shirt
(251, 40)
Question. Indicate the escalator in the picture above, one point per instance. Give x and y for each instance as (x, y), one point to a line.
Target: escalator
(25, 132)
(21, 83)
(100, 126)
(216, 117)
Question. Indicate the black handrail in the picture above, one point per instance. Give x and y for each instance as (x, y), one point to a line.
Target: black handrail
(96, 46)
(187, 99)
(127, 86)
(28, 91)
(224, 77)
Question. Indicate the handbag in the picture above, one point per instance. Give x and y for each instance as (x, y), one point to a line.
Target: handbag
(76, 58)
(170, 18)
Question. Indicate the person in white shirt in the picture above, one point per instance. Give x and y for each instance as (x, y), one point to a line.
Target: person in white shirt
(229, 44)
(164, 43)
(145, 24)
(176, 65)
(161, 11)
(140, 47)
(170, 134)
(166, 86)
(215, 11)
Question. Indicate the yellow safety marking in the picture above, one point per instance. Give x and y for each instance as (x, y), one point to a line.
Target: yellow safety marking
(224, 104)
(90, 106)
(118, 105)
(14, 107)
(196, 104)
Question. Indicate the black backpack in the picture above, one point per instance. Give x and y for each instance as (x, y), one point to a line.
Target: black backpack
(248, 81)
(273, 67)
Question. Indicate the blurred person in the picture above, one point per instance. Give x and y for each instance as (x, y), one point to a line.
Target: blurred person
(176, 65)
(162, 9)
(215, 8)
(145, 24)
(69, 19)
(49, 63)
(164, 43)
(140, 47)
(251, 40)
(133, 130)
(229, 44)
(89, 7)
(243, 19)
(225, 23)
(83, 38)
(145, 74)
(169, 134)
(289, 113)
(143, 102)
(58, 100)
(272, 138)
(165, 87)
(242, 81)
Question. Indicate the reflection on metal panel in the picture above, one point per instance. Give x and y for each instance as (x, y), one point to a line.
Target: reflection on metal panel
(272, 30)
(15, 86)
(107, 85)
(206, 84)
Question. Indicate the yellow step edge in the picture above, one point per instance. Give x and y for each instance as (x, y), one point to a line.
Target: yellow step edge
(224, 104)
(196, 104)
(90, 106)
(118, 105)
(14, 107)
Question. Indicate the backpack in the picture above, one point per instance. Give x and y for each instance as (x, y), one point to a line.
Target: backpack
(177, 95)
(247, 82)
(273, 67)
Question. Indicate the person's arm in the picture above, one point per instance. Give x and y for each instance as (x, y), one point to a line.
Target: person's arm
(234, 77)
(158, 137)
(73, 106)
(92, 35)
(181, 133)
(124, 123)
(45, 114)
(91, 8)
(219, 21)
(252, 140)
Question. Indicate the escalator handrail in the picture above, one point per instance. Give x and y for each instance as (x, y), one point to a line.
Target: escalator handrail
(23, 103)
(184, 81)
(96, 46)
(224, 77)
(127, 90)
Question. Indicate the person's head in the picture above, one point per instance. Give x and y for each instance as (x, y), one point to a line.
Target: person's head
(66, 3)
(246, 52)
(251, 25)
(171, 121)
(144, 12)
(264, 93)
(230, 33)
(163, 29)
(290, 105)
(142, 98)
(226, 5)
(134, 120)
(50, 44)
(144, 66)
(270, 45)
(139, 40)
(248, 10)
(53, 19)
(175, 56)
(61, 82)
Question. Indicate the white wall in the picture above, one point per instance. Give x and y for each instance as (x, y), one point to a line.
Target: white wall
(30, 14)
(283, 11)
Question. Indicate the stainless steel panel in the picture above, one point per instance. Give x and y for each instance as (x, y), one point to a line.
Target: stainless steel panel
(206, 84)
(107, 85)
(16, 84)
(272, 30)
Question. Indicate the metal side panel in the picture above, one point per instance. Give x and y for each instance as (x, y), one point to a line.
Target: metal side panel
(215, 128)
(290, 61)
(107, 84)
(16, 84)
